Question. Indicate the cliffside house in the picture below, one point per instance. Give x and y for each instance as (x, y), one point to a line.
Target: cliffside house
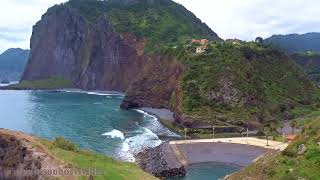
(234, 41)
(200, 41)
(201, 49)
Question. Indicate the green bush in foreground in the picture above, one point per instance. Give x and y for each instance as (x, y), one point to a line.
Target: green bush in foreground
(64, 144)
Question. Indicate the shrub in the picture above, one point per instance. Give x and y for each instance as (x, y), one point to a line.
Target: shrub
(289, 152)
(64, 144)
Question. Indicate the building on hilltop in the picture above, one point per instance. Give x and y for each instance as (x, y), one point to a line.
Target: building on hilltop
(200, 41)
(234, 41)
(201, 49)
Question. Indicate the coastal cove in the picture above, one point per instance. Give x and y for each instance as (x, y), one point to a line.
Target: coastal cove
(94, 121)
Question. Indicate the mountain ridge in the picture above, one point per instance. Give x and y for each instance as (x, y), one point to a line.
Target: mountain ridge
(12, 63)
(293, 43)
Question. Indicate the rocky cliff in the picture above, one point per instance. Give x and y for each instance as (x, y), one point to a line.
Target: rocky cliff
(92, 56)
(102, 44)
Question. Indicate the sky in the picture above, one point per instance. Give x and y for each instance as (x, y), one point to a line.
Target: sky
(242, 19)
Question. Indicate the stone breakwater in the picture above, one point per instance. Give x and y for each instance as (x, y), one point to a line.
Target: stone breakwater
(161, 162)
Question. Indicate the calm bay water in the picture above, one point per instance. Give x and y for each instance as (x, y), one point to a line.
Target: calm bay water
(92, 120)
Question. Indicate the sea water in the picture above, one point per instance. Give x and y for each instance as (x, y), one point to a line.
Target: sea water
(93, 120)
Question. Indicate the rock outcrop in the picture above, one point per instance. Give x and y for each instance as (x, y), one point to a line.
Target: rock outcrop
(301, 149)
(19, 157)
(91, 55)
(155, 86)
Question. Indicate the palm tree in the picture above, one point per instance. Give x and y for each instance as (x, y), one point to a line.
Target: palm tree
(293, 125)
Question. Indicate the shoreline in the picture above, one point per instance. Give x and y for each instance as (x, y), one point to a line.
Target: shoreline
(158, 113)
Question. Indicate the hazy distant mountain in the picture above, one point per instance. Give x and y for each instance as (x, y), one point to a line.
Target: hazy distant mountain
(12, 63)
(295, 42)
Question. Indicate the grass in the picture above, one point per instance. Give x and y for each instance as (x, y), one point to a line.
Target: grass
(82, 159)
(49, 83)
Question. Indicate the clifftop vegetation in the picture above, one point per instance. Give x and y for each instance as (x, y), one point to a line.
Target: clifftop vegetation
(240, 83)
(158, 22)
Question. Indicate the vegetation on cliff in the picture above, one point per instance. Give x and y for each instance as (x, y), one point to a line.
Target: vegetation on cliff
(234, 84)
(310, 63)
(289, 165)
(158, 22)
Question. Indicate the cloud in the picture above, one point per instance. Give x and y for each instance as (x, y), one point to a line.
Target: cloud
(245, 19)
(17, 18)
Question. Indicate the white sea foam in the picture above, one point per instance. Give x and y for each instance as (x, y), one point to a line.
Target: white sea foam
(115, 134)
(125, 147)
(143, 139)
(155, 126)
(98, 93)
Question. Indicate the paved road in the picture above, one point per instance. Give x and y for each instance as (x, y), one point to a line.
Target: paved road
(237, 151)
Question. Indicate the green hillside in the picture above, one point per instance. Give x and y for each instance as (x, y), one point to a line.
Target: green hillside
(310, 63)
(288, 165)
(239, 83)
(292, 43)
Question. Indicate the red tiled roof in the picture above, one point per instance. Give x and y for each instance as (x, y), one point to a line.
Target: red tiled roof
(291, 137)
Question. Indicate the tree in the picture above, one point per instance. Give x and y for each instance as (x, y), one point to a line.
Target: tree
(273, 129)
(266, 131)
(259, 40)
(293, 125)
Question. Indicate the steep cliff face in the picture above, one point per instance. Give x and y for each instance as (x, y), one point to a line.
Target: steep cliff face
(103, 44)
(156, 84)
(91, 55)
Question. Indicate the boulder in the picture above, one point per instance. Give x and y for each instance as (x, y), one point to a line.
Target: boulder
(319, 144)
(301, 149)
